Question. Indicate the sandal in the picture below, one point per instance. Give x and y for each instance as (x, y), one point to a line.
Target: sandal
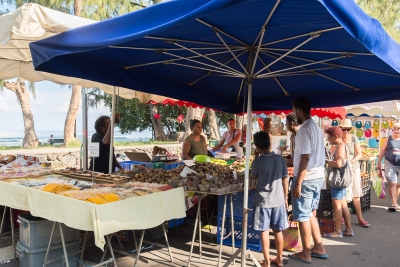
(392, 208)
(340, 235)
(364, 224)
(350, 233)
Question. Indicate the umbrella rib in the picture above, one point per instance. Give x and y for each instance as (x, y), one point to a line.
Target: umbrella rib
(276, 79)
(238, 61)
(263, 28)
(215, 61)
(300, 66)
(200, 68)
(258, 50)
(314, 71)
(303, 35)
(336, 65)
(163, 61)
(318, 51)
(240, 90)
(166, 49)
(208, 73)
(219, 30)
(284, 55)
(186, 41)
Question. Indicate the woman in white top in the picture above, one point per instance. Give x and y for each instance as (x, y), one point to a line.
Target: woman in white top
(231, 138)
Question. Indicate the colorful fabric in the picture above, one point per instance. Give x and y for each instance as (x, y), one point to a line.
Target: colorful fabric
(368, 133)
(360, 133)
(359, 124)
(376, 125)
(384, 133)
(335, 123)
(385, 124)
(367, 125)
(375, 133)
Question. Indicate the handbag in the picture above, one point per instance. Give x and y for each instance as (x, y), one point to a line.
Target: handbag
(340, 177)
(291, 236)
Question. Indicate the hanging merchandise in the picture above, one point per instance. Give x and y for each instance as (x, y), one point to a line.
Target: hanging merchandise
(368, 133)
(385, 124)
(180, 118)
(391, 122)
(375, 133)
(156, 116)
(353, 123)
(359, 124)
(360, 133)
(335, 123)
(384, 133)
(367, 125)
(353, 131)
(376, 125)
(391, 131)
(372, 143)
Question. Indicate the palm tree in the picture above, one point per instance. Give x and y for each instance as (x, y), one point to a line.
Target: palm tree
(20, 89)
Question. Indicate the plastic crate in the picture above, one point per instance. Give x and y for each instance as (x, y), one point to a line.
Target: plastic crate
(326, 225)
(237, 204)
(175, 222)
(325, 209)
(29, 257)
(365, 180)
(34, 232)
(126, 165)
(171, 166)
(365, 201)
(253, 236)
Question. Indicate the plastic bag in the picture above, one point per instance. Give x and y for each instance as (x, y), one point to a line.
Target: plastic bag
(382, 194)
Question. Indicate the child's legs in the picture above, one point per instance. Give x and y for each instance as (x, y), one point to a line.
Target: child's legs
(265, 246)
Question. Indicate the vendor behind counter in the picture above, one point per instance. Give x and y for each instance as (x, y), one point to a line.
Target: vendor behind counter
(194, 144)
(231, 138)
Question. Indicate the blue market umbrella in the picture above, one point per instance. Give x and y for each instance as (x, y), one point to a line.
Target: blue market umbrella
(217, 53)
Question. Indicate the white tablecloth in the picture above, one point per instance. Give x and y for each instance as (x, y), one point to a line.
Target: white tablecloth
(132, 213)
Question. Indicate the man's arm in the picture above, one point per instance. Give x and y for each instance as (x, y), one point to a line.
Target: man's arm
(221, 143)
(233, 141)
(301, 174)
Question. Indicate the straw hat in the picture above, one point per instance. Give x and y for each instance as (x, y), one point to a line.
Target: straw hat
(346, 123)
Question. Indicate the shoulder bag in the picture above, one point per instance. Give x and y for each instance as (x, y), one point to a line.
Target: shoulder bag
(341, 177)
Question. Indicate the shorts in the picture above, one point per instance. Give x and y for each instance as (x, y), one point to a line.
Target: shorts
(356, 186)
(392, 173)
(338, 193)
(266, 218)
(308, 201)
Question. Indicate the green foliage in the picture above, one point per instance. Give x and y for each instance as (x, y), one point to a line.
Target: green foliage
(387, 12)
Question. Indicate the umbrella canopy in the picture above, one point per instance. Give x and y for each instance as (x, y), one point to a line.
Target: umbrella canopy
(379, 109)
(203, 51)
(32, 22)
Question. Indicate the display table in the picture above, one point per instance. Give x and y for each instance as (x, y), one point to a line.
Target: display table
(135, 213)
(198, 224)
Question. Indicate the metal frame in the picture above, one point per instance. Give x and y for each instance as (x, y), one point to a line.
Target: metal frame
(197, 224)
(12, 228)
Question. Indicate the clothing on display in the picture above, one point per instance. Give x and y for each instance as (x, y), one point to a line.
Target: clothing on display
(335, 123)
(360, 133)
(368, 133)
(367, 125)
(375, 133)
(359, 124)
(376, 125)
(391, 122)
(384, 133)
(373, 143)
(385, 124)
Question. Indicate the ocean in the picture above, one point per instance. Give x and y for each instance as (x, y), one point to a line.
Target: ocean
(15, 138)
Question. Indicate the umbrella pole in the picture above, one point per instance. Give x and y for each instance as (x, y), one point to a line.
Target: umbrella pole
(247, 174)
(110, 163)
(85, 129)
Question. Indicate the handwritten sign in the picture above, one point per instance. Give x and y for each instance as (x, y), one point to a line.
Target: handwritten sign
(94, 150)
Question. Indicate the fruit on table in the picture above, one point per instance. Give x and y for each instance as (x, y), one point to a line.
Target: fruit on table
(369, 152)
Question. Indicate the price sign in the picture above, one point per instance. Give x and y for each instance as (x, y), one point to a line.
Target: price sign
(94, 150)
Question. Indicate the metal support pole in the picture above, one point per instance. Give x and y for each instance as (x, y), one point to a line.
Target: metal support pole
(111, 249)
(63, 245)
(111, 161)
(222, 230)
(12, 232)
(195, 228)
(49, 245)
(247, 172)
(84, 129)
(232, 228)
(139, 248)
(166, 240)
(84, 245)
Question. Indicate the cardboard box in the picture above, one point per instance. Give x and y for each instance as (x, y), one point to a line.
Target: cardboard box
(138, 156)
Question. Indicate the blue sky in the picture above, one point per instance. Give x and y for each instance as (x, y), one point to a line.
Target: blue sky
(49, 109)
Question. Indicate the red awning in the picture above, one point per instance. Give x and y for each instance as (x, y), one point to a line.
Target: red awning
(332, 113)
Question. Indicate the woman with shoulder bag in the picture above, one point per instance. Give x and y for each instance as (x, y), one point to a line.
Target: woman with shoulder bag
(339, 202)
(354, 149)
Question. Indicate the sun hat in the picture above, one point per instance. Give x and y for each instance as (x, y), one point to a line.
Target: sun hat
(346, 123)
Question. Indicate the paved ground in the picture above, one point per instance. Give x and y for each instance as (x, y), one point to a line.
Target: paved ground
(375, 246)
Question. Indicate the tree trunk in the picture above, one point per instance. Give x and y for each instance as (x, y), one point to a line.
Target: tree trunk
(78, 8)
(157, 124)
(191, 113)
(241, 120)
(20, 90)
(69, 126)
(213, 125)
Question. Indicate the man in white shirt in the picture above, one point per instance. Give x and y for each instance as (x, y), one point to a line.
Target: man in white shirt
(308, 162)
(231, 138)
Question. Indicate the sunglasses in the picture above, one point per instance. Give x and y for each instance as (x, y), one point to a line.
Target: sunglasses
(346, 130)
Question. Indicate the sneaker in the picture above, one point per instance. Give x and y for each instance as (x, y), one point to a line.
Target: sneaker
(364, 224)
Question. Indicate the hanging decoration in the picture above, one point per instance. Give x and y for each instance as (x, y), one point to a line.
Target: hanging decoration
(180, 118)
(156, 116)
